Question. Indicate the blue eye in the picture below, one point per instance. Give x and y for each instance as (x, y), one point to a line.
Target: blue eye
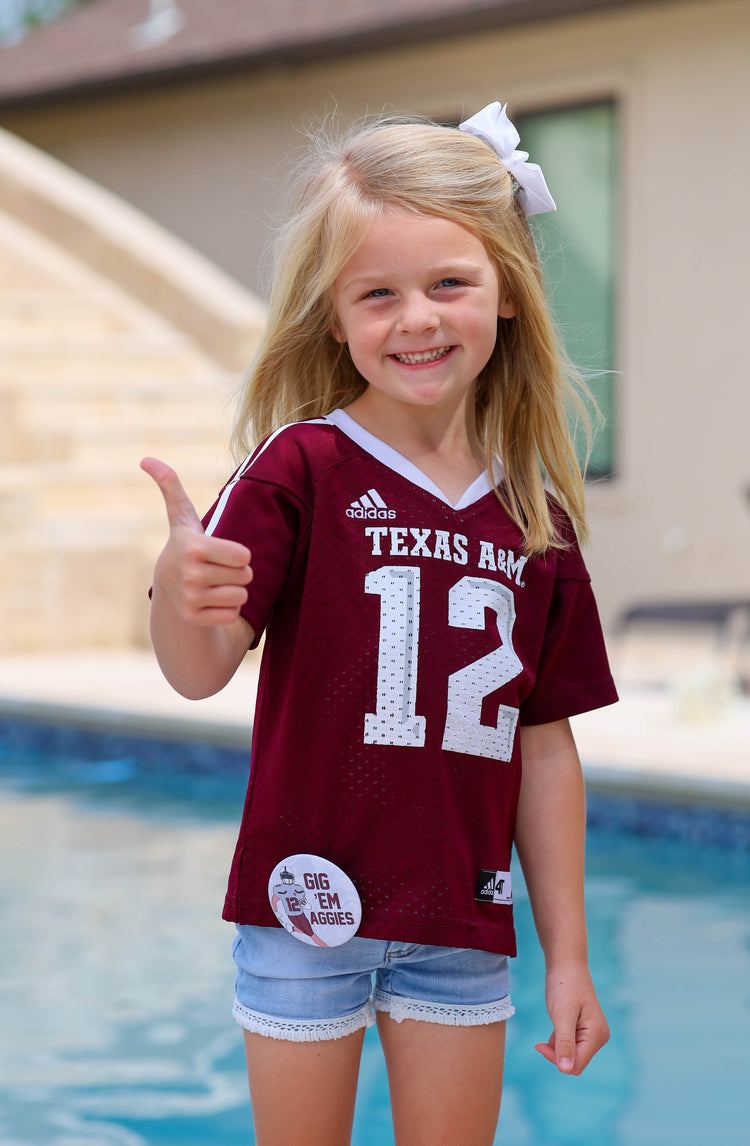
(379, 292)
(449, 282)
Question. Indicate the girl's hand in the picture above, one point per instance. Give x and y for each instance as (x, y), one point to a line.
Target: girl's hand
(580, 1028)
(203, 577)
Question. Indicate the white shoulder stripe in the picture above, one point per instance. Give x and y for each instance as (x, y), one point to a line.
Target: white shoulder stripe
(243, 469)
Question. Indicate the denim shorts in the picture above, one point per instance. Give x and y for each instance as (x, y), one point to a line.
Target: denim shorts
(291, 990)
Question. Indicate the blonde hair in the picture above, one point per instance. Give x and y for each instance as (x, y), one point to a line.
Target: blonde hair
(527, 389)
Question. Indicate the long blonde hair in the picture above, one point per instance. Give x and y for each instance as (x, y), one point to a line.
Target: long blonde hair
(528, 388)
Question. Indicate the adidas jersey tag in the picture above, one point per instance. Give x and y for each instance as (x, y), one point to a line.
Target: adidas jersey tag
(494, 887)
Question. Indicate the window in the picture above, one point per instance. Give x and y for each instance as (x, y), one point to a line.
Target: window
(577, 150)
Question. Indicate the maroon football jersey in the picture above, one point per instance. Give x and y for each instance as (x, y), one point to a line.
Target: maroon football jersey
(406, 640)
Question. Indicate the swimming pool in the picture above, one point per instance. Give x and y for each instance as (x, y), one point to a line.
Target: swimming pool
(115, 992)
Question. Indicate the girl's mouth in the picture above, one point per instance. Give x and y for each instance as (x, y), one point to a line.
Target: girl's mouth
(419, 357)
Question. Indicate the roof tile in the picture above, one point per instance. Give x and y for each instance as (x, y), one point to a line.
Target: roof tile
(97, 45)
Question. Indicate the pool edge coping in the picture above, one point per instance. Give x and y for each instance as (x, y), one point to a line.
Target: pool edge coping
(224, 734)
(645, 783)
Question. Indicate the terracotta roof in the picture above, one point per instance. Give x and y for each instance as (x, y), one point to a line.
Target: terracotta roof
(110, 44)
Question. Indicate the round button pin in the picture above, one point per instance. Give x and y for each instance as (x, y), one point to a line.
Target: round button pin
(314, 900)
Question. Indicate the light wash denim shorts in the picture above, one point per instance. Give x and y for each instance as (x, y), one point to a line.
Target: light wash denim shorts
(291, 990)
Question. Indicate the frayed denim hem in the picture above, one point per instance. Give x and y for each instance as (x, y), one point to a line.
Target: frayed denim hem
(449, 1014)
(302, 1030)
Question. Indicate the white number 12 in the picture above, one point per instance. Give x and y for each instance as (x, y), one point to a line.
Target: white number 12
(395, 720)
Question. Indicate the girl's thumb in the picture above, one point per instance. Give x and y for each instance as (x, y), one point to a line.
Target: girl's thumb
(180, 509)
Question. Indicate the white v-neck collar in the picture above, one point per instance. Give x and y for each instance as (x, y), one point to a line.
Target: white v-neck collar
(396, 461)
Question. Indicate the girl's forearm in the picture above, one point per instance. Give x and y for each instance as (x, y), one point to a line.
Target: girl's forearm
(197, 660)
(550, 839)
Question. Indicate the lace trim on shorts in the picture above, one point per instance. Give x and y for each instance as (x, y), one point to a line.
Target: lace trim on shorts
(302, 1030)
(450, 1014)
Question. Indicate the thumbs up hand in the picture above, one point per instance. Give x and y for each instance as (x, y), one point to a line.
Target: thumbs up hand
(203, 577)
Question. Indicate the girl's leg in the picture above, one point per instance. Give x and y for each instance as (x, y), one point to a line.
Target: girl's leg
(445, 1081)
(302, 1094)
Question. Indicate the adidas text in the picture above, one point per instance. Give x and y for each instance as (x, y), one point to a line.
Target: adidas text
(371, 514)
(370, 506)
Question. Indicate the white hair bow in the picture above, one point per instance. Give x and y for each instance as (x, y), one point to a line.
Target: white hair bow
(493, 126)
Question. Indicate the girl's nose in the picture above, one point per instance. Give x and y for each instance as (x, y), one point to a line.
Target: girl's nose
(418, 313)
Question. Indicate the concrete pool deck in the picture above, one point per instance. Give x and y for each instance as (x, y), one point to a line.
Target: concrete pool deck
(690, 741)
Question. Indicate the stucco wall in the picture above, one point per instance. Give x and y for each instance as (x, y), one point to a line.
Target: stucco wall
(675, 522)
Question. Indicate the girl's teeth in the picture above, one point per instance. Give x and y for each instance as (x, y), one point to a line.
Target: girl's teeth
(422, 356)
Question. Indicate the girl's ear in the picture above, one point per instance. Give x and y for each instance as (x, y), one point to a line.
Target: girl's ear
(506, 309)
(338, 333)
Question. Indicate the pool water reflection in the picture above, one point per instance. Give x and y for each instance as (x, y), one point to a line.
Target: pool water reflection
(115, 993)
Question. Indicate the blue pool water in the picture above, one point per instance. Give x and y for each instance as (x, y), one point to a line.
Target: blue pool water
(115, 991)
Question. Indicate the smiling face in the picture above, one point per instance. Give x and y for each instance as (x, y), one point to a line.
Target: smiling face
(418, 305)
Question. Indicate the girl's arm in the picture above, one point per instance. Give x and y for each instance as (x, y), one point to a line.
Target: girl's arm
(199, 587)
(550, 840)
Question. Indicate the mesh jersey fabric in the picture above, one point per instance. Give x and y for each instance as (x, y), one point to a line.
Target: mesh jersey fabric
(405, 640)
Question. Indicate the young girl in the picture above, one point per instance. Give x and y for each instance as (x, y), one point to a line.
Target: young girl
(429, 628)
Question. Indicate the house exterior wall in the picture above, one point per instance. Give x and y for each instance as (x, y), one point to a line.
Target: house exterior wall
(207, 160)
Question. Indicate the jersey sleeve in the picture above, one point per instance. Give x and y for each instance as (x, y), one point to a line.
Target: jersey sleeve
(264, 507)
(573, 674)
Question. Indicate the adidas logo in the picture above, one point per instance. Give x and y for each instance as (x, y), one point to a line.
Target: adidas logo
(371, 506)
(494, 887)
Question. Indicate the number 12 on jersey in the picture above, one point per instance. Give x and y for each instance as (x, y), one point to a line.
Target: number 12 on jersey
(395, 719)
